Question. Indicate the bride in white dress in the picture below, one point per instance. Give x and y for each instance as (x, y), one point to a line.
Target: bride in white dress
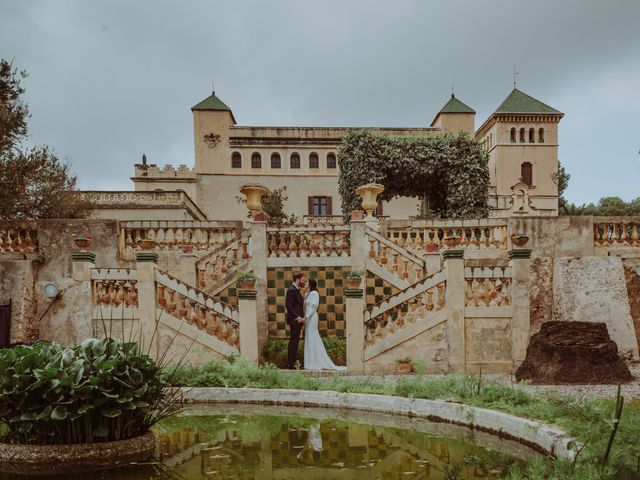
(315, 356)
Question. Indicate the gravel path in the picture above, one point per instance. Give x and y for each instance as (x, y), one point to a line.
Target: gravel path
(631, 391)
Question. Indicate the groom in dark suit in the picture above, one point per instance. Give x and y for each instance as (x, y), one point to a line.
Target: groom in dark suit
(295, 316)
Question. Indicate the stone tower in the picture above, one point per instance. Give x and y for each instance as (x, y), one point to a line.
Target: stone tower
(455, 116)
(521, 138)
(212, 120)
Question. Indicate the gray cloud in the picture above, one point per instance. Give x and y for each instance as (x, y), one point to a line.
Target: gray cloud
(110, 80)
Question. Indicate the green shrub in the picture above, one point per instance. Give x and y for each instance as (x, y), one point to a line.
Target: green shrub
(100, 390)
(274, 351)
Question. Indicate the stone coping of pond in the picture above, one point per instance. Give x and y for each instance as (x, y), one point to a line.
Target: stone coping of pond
(536, 435)
(74, 458)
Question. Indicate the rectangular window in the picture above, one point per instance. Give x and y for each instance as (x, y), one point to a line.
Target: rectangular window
(526, 172)
(319, 206)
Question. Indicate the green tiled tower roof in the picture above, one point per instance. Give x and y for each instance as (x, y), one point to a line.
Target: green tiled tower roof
(211, 103)
(520, 102)
(456, 106)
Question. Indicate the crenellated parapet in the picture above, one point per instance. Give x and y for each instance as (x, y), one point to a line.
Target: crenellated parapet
(166, 172)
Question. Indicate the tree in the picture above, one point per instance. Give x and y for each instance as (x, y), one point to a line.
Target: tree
(452, 170)
(273, 205)
(35, 183)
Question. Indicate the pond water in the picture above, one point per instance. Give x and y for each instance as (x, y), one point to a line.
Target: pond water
(252, 442)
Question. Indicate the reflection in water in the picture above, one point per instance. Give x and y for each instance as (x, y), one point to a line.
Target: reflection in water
(262, 447)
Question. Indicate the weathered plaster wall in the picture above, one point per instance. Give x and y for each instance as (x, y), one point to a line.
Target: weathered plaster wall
(16, 284)
(488, 344)
(593, 289)
(69, 318)
(541, 292)
(556, 237)
(429, 347)
(633, 290)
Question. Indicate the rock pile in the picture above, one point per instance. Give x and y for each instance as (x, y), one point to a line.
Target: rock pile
(573, 353)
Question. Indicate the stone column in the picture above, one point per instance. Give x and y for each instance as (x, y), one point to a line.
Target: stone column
(359, 246)
(247, 312)
(146, 272)
(81, 265)
(520, 270)
(258, 249)
(188, 273)
(355, 330)
(454, 298)
(433, 262)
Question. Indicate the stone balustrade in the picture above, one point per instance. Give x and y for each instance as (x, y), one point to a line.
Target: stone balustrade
(20, 237)
(416, 303)
(195, 308)
(222, 262)
(431, 236)
(323, 220)
(309, 241)
(616, 231)
(115, 293)
(487, 286)
(177, 235)
(396, 260)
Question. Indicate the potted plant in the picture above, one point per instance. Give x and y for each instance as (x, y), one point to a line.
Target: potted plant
(83, 241)
(404, 365)
(431, 247)
(519, 239)
(354, 279)
(453, 240)
(246, 281)
(187, 248)
(147, 243)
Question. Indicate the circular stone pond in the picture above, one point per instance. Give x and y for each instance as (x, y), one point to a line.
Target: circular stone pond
(257, 442)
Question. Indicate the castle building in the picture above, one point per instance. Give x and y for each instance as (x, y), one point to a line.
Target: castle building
(521, 138)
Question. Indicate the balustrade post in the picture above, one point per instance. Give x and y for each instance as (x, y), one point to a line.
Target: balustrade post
(259, 251)
(146, 276)
(355, 329)
(520, 270)
(359, 246)
(454, 299)
(248, 314)
(81, 265)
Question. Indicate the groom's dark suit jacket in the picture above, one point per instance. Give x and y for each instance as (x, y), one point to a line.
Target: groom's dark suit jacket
(294, 304)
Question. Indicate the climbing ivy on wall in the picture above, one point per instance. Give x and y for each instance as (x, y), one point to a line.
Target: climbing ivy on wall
(451, 169)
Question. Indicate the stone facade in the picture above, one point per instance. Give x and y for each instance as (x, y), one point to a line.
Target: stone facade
(455, 295)
(523, 168)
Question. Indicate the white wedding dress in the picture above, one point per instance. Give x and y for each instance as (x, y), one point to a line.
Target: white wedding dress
(315, 356)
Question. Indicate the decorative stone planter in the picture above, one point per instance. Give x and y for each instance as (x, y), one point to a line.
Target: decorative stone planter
(60, 459)
(246, 284)
(369, 194)
(404, 368)
(83, 241)
(453, 241)
(519, 240)
(353, 282)
(431, 247)
(147, 244)
(254, 193)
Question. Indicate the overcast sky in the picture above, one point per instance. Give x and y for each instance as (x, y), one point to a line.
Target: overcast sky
(110, 80)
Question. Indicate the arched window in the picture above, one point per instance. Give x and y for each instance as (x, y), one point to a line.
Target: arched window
(331, 160)
(541, 135)
(276, 162)
(513, 135)
(532, 135)
(522, 133)
(295, 160)
(256, 160)
(313, 160)
(236, 160)
(526, 172)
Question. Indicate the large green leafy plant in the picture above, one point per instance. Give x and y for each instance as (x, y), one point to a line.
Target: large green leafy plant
(100, 390)
(451, 170)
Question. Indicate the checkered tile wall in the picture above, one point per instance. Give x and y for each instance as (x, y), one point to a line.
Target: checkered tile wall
(332, 302)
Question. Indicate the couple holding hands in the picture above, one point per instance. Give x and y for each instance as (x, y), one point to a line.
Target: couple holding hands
(303, 312)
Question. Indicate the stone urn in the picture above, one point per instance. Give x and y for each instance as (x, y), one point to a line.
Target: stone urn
(147, 244)
(254, 193)
(83, 241)
(404, 367)
(353, 281)
(369, 194)
(519, 239)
